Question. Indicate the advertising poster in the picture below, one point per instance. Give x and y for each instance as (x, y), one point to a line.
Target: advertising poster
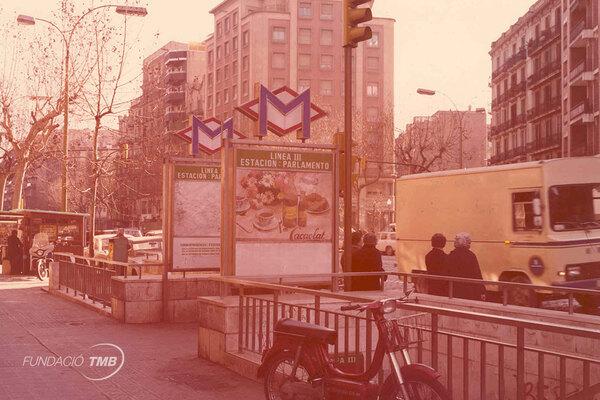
(196, 217)
(284, 215)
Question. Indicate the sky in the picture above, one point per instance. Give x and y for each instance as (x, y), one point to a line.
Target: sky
(439, 44)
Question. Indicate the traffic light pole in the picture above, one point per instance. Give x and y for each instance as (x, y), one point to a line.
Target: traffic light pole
(348, 158)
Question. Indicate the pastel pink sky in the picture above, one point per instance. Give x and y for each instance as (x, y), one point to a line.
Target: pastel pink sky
(439, 44)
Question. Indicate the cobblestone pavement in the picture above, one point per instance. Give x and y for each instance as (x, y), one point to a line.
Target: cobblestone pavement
(160, 359)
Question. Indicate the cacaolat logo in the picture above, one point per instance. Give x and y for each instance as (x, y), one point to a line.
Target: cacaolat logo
(314, 235)
(97, 363)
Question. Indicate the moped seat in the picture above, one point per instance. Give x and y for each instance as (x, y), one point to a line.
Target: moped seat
(294, 327)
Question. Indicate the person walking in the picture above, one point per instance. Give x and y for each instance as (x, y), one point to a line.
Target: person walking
(462, 263)
(120, 249)
(356, 244)
(14, 253)
(368, 259)
(435, 261)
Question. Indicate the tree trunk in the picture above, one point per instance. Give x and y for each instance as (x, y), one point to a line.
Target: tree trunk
(95, 177)
(19, 178)
(3, 179)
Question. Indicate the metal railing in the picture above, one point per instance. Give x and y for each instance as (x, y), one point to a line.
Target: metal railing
(465, 347)
(419, 281)
(91, 277)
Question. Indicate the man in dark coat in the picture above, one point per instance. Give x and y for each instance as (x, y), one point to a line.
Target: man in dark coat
(356, 243)
(14, 253)
(462, 263)
(368, 259)
(435, 261)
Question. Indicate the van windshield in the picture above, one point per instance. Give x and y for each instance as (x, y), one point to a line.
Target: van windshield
(574, 207)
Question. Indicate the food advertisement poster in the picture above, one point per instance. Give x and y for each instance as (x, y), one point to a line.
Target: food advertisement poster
(196, 217)
(284, 211)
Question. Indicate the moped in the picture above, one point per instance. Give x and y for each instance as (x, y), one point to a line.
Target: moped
(298, 365)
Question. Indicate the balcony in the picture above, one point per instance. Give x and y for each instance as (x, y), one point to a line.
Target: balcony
(581, 74)
(577, 5)
(544, 108)
(544, 143)
(581, 112)
(544, 73)
(516, 90)
(174, 96)
(499, 71)
(516, 121)
(521, 55)
(545, 38)
(580, 34)
(174, 112)
(176, 56)
(175, 75)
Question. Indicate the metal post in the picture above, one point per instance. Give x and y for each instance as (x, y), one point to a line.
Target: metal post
(65, 130)
(348, 156)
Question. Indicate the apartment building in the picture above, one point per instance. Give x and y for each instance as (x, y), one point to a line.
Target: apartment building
(173, 88)
(545, 84)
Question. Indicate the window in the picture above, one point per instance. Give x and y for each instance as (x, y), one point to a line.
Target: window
(303, 84)
(303, 61)
(304, 10)
(245, 63)
(225, 96)
(210, 102)
(218, 75)
(245, 38)
(234, 43)
(374, 41)
(326, 62)
(372, 114)
(523, 215)
(218, 97)
(326, 37)
(218, 52)
(327, 11)
(210, 57)
(277, 83)
(227, 24)
(326, 88)
(574, 207)
(373, 63)
(372, 89)
(234, 68)
(304, 36)
(245, 88)
(219, 29)
(278, 61)
(210, 79)
(235, 18)
(278, 34)
(226, 48)
(234, 91)
(226, 72)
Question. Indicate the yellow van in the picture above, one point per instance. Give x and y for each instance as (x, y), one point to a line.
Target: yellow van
(535, 222)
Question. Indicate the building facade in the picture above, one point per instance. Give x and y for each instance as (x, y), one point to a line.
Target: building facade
(545, 84)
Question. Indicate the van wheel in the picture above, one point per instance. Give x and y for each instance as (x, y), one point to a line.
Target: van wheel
(389, 251)
(522, 296)
(588, 302)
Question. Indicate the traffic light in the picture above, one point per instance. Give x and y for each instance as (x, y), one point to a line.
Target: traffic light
(354, 16)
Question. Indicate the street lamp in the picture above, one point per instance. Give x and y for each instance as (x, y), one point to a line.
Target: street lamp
(429, 92)
(29, 21)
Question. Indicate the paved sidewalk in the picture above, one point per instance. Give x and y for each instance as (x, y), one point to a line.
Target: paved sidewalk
(160, 359)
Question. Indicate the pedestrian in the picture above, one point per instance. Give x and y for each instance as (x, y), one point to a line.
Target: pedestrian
(368, 259)
(14, 253)
(356, 244)
(120, 249)
(435, 261)
(462, 263)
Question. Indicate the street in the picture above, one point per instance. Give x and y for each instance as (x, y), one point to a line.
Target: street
(160, 359)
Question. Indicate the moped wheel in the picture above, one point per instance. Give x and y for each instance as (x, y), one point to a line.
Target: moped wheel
(42, 270)
(420, 386)
(281, 385)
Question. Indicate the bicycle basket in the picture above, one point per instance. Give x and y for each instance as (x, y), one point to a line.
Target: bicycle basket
(401, 333)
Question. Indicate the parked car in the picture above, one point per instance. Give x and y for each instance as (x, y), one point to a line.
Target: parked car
(156, 232)
(386, 243)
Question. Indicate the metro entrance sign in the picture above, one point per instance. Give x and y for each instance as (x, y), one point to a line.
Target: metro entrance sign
(207, 135)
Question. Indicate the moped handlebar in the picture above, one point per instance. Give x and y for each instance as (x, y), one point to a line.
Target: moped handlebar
(379, 303)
